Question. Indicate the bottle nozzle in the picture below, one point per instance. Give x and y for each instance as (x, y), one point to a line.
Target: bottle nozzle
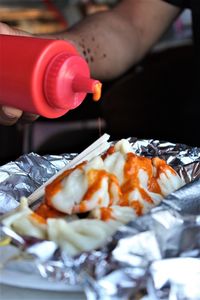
(82, 84)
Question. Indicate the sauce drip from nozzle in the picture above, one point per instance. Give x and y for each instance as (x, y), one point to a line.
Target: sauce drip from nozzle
(97, 91)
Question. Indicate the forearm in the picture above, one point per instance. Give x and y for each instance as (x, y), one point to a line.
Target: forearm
(104, 44)
(113, 41)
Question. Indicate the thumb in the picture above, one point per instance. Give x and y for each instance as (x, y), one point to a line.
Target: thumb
(5, 29)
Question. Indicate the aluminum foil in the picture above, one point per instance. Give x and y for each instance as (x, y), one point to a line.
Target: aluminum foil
(23, 176)
(157, 256)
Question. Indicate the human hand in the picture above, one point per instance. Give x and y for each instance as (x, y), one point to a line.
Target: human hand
(10, 115)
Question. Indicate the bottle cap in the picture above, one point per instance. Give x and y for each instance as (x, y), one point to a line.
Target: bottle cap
(67, 81)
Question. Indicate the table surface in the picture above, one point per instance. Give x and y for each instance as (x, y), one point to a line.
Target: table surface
(15, 293)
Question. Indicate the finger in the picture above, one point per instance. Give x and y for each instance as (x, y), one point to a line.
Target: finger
(9, 115)
(28, 117)
(5, 29)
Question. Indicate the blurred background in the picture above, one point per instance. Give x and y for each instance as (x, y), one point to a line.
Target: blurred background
(149, 101)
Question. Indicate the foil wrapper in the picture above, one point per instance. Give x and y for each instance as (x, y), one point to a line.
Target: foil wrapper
(23, 176)
(156, 256)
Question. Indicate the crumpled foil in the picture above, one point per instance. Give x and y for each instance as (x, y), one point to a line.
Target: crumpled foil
(156, 256)
(23, 176)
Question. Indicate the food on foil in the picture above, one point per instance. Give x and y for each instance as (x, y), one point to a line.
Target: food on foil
(80, 235)
(100, 195)
(26, 222)
(119, 177)
(72, 235)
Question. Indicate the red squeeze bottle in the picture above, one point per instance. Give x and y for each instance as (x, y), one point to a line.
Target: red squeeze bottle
(43, 76)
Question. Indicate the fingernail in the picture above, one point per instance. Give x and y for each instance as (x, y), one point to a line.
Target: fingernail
(11, 113)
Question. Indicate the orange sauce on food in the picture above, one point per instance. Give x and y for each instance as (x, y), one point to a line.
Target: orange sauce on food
(95, 178)
(81, 208)
(56, 186)
(38, 218)
(106, 213)
(162, 166)
(110, 151)
(153, 186)
(132, 167)
(134, 163)
(113, 181)
(124, 200)
(46, 212)
(138, 207)
(97, 91)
